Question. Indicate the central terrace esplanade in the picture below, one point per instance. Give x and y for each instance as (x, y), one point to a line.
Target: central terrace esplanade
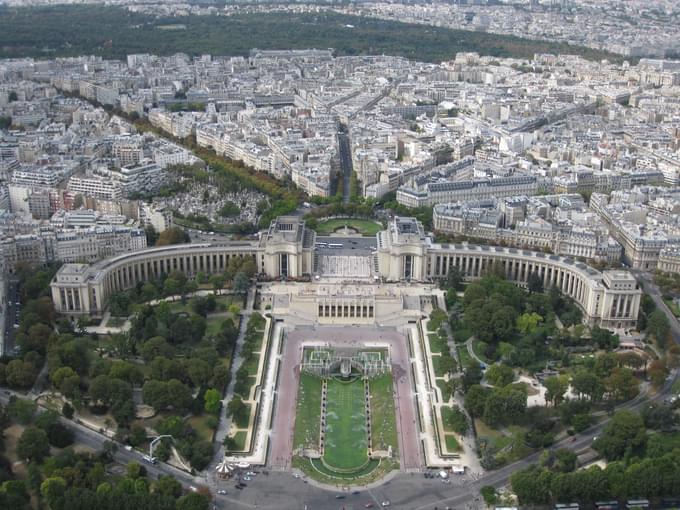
(404, 253)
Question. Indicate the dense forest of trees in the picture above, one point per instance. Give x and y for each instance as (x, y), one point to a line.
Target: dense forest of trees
(643, 462)
(113, 32)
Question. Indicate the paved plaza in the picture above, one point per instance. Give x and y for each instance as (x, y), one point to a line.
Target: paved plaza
(355, 337)
(343, 266)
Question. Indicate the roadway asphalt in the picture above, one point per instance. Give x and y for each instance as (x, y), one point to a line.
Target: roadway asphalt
(345, 164)
(358, 245)
(11, 313)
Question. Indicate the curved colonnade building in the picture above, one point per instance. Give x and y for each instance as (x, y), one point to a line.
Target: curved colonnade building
(404, 253)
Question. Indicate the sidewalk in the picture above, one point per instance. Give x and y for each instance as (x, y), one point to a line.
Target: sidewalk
(224, 424)
(103, 329)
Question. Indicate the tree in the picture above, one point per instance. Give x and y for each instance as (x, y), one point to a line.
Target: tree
(581, 421)
(531, 485)
(126, 371)
(631, 360)
(454, 279)
(65, 350)
(168, 486)
(604, 338)
(488, 492)
(621, 384)
(67, 410)
(212, 399)
(455, 420)
(658, 417)
(33, 444)
(163, 450)
(36, 339)
(503, 322)
(475, 400)
(217, 281)
(472, 375)
(46, 420)
(20, 374)
(172, 235)
(123, 411)
(226, 337)
(657, 373)
(499, 374)
(447, 364)
(34, 476)
(154, 347)
(198, 371)
(52, 490)
(230, 444)
(137, 437)
(22, 410)
(109, 390)
(238, 411)
(171, 426)
(193, 501)
(201, 453)
(477, 319)
(199, 305)
(163, 395)
(241, 282)
(504, 405)
(587, 384)
(565, 460)
(171, 287)
(119, 304)
(535, 283)
(556, 387)
(59, 436)
(151, 235)
(626, 430)
(61, 374)
(135, 471)
(528, 322)
(658, 326)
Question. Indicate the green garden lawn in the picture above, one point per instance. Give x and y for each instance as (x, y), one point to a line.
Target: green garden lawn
(364, 227)
(383, 424)
(308, 412)
(346, 438)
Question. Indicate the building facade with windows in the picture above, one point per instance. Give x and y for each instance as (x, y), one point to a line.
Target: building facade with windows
(404, 252)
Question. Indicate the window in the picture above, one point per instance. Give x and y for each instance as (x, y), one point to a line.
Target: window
(283, 264)
(408, 266)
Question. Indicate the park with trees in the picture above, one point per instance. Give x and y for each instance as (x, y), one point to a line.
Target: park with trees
(94, 377)
(39, 30)
(507, 336)
(165, 373)
(39, 468)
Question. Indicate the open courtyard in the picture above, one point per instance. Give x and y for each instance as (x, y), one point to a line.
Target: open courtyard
(354, 225)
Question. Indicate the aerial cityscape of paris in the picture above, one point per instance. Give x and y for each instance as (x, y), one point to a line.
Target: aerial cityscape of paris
(335, 255)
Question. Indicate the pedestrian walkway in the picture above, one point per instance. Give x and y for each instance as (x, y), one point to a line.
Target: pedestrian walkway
(224, 424)
(4, 326)
(103, 329)
(430, 403)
